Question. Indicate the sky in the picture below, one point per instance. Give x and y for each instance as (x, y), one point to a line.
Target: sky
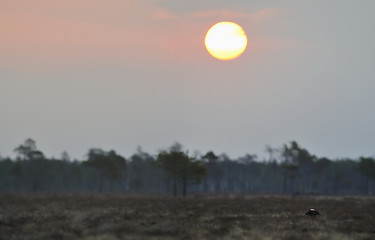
(118, 74)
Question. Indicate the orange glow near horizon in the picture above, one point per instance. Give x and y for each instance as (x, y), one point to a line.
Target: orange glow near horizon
(226, 40)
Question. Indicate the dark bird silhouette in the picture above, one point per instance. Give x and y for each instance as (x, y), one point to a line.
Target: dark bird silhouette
(312, 212)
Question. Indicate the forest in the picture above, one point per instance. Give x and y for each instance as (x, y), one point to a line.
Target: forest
(289, 169)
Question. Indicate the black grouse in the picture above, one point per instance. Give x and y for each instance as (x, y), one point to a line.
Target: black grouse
(312, 212)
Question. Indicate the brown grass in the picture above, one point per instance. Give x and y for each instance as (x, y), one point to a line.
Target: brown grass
(119, 217)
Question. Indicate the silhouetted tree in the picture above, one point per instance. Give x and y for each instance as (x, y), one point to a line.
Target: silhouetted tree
(28, 150)
(214, 171)
(181, 168)
(35, 163)
(290, 166)
(295, 160)
(272, 152)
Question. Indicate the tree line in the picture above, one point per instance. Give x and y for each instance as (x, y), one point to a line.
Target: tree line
(290, 169)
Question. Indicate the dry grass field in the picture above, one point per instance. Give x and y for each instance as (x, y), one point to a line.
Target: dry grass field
(120, 217)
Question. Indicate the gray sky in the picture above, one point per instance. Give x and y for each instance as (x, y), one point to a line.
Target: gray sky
(119, 74)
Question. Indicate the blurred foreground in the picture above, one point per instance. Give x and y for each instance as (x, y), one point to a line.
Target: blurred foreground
(196, 217)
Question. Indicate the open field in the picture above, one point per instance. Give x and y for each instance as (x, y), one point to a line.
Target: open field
(119, 217)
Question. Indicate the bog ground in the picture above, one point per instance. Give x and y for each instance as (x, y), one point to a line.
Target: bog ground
(121, 217)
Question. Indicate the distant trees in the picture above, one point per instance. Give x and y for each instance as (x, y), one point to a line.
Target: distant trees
(181, 169)
(108, 165)
(289, 169)
(141, 173)
(366, 168)
(35, 163)
(296, 158)
(321, 167)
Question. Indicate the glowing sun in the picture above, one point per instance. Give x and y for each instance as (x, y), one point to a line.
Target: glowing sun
(226, 40)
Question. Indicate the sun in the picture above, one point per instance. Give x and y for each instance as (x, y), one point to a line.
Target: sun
(226, 40)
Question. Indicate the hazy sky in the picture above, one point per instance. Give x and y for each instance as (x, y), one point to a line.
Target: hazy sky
(116, 74)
